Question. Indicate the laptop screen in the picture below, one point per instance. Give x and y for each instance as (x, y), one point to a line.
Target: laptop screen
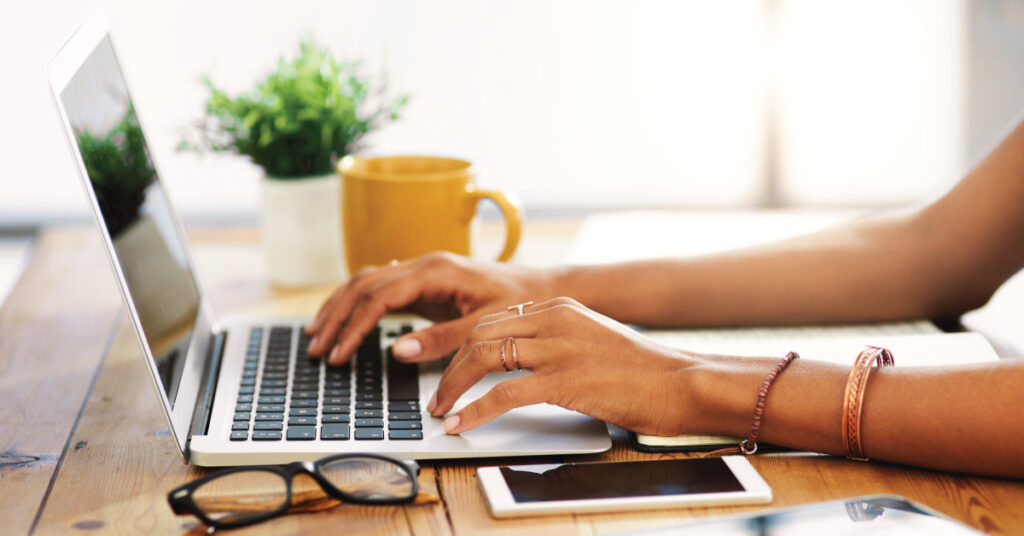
(135, 210)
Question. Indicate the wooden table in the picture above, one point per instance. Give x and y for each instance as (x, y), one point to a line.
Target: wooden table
(83, 445)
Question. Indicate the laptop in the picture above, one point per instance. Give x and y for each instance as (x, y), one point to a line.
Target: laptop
(241, 390)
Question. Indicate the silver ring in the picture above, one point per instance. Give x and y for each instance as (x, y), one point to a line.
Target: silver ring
(504, 362)
(515, 353)
(518, 307)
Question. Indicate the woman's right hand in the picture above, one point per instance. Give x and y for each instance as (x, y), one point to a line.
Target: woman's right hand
(450, 290)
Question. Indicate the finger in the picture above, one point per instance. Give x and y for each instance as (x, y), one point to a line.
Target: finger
(502, 398)
(480, 359)
(433, 342)
(335, 310)
(529, 307)
(354, 284)
(335, 313)
(376, 301)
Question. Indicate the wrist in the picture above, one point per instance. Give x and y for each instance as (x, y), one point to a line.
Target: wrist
(568, 281)
(724, 393)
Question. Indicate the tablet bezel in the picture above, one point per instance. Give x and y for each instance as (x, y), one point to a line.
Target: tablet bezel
(503, 504)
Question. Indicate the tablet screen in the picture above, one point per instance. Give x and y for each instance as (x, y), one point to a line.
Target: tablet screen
(562, 482)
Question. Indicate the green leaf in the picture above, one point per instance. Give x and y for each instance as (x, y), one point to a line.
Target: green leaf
(301, 117)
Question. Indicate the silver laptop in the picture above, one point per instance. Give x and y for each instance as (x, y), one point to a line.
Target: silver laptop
(242, 391)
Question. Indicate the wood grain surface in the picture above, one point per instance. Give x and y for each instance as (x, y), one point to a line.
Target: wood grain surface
(85, 446)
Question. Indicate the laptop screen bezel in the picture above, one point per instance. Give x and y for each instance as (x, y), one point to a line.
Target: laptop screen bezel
(60, 70)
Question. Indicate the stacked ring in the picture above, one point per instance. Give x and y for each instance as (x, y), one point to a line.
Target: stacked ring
(504, 362)
(515, 353)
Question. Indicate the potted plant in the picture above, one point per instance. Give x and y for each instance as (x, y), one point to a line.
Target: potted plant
(295, 125)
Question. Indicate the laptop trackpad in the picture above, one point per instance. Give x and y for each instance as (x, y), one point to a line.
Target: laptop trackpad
(539, 428)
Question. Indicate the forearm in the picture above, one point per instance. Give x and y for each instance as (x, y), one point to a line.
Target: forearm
(884, 268)
(964, 419)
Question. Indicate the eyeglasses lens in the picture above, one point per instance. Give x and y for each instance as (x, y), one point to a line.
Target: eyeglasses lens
(369, 478)
(241, 496)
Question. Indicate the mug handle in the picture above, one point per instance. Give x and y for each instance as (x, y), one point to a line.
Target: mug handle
(511, 210)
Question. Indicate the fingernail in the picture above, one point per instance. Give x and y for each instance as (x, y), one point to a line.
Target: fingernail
(432, 405)
(407, 347)
(451, 423)
(312, 344)
(334, 354)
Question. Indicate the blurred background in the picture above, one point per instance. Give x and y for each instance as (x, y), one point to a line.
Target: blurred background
(576, 105)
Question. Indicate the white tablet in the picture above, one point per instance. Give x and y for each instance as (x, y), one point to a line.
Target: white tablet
(603, 487)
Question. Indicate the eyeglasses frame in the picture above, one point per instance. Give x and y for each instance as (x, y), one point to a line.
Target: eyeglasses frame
(182, 502)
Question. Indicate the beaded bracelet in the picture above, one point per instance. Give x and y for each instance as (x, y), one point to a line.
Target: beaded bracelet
(749, 445)
(853, 399)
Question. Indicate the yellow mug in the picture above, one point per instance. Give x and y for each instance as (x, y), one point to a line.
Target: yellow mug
(400, 207)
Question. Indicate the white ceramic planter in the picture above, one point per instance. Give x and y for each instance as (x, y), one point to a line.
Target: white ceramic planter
(301, 228)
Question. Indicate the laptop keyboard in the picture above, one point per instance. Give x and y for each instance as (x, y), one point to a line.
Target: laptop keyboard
(294, 397)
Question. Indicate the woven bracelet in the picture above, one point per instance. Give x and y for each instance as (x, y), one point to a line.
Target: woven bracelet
(853, 399)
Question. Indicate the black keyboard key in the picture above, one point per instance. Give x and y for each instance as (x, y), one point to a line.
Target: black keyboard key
(337, 417)
(404, 405)
(336, 409)
(245, 399)
(336, 384)
(270, 416)
(239, 436)
(275, 376)
(243, 408)
(301, 421)
(337, 392)
(270, 408)
(334, 431)
(268, 426)
(369, 404)
(370, 433)
(242, 416)
(369, 423)
(305, 387)
(335, 400)
(272, 391)
(369, 414)
(302, 412)
(405, 425)
(274, 383)
(405, 434)
(304, 403)
(246, 390)
(241, 425)
(305, 395)
(275, 399)
(369, 396)
(303, 433)
(266, 435)
(404, 416)
(403, 380)
(248, 381)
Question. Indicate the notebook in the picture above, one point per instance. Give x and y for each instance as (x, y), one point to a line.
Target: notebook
(241, 390)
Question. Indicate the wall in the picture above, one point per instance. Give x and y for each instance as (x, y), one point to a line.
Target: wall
(575, 105)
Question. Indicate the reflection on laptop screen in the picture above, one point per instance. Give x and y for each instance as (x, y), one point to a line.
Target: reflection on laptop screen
(135, 211)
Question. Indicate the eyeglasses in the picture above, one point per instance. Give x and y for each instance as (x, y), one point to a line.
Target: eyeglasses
(245, 495)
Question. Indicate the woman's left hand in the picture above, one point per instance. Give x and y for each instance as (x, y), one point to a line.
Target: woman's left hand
(581, 361)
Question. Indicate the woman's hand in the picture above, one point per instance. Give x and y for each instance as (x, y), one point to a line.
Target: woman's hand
(452, 291)
(581, 361)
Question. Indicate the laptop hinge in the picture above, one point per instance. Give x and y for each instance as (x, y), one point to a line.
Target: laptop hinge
(204, 400)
